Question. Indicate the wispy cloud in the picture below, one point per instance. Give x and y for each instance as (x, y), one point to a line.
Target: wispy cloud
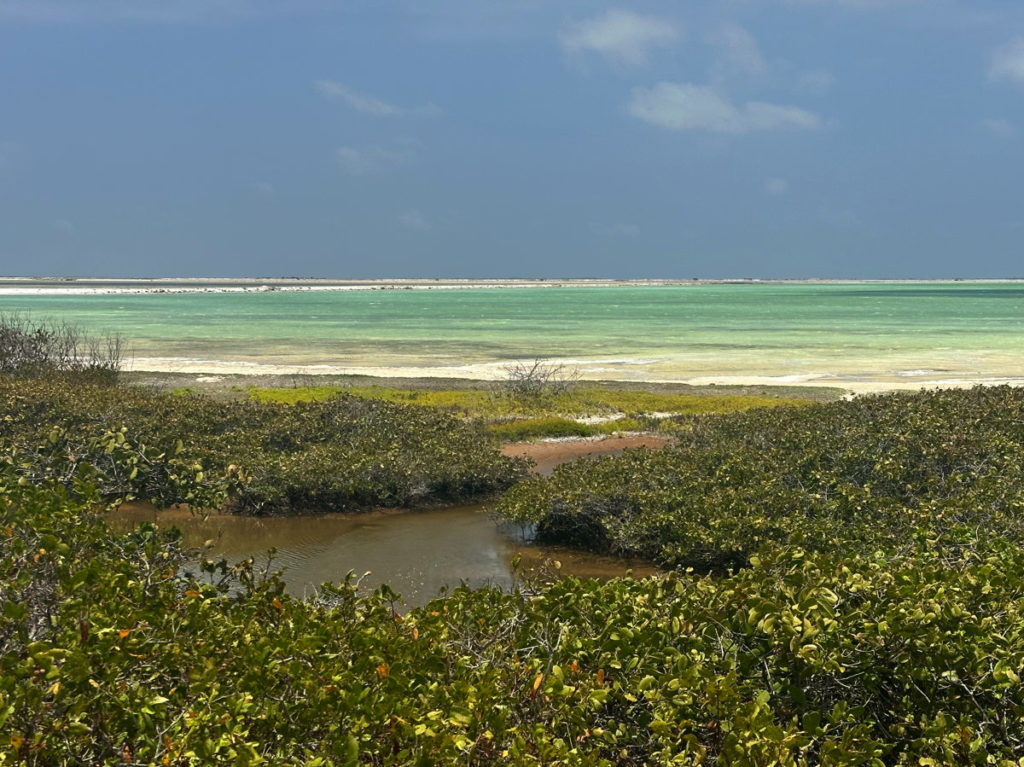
(684, 106)
(738, 51)
(1008, 61)
(999, 127)
(776, 186)
(623, 37)
(371, 105)
(415, 220)
(368, 160)
(358, 101)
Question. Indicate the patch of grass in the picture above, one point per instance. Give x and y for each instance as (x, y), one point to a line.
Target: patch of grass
(620, 425)
(635, 402)
(580, 401)
(540, 428)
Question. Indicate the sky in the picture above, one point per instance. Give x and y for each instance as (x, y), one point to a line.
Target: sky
(512, 138)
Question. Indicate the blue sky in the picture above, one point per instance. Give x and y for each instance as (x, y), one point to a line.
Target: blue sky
(512, 138)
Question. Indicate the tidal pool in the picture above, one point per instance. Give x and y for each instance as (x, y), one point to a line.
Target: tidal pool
(417, 553)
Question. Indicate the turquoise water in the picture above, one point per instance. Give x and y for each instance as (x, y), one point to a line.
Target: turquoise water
(822, 333)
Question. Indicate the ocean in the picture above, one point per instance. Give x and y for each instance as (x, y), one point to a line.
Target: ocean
(859, 335)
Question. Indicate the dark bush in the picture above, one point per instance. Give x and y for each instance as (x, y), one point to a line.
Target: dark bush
(32, 348)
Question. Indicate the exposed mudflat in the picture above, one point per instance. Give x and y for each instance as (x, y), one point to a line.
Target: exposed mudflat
(548, 454)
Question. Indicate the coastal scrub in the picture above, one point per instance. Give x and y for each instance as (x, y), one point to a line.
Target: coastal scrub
(844, 476)
(343, 454)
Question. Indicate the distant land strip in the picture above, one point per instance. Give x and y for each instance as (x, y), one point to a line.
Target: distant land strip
(86, 285)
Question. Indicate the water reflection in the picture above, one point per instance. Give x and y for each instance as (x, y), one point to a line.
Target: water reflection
(417, 553)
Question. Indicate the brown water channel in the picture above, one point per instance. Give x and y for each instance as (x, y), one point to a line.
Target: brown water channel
(417, 553)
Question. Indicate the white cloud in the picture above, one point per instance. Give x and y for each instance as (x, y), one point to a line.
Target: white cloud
(1001, 128)
(265, 188)
(776, 186)
(623, 37)
(739, 51)
(816, 82)
(358, 101)
(362, 102)
(63, 225)
(368, 160)
(761, 116)
(413, 219)
(684, 106)
(1008, 61)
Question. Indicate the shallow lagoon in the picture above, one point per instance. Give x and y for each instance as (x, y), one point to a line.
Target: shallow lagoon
(858, 335)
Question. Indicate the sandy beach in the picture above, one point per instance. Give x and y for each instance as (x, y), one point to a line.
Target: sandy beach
(610, 371)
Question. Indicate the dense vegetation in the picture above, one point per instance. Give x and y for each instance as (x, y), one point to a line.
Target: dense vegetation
(344, 453)
(112, 651)
(877, 618)
(847, 476)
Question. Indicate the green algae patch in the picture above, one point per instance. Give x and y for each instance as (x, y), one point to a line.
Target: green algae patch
(580, 401)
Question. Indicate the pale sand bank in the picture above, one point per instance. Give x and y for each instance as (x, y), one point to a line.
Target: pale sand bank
(631, 371)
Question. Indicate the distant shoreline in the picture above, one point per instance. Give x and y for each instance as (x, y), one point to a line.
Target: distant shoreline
(142, 285)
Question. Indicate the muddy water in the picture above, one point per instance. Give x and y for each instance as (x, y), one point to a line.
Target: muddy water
(418, 553)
